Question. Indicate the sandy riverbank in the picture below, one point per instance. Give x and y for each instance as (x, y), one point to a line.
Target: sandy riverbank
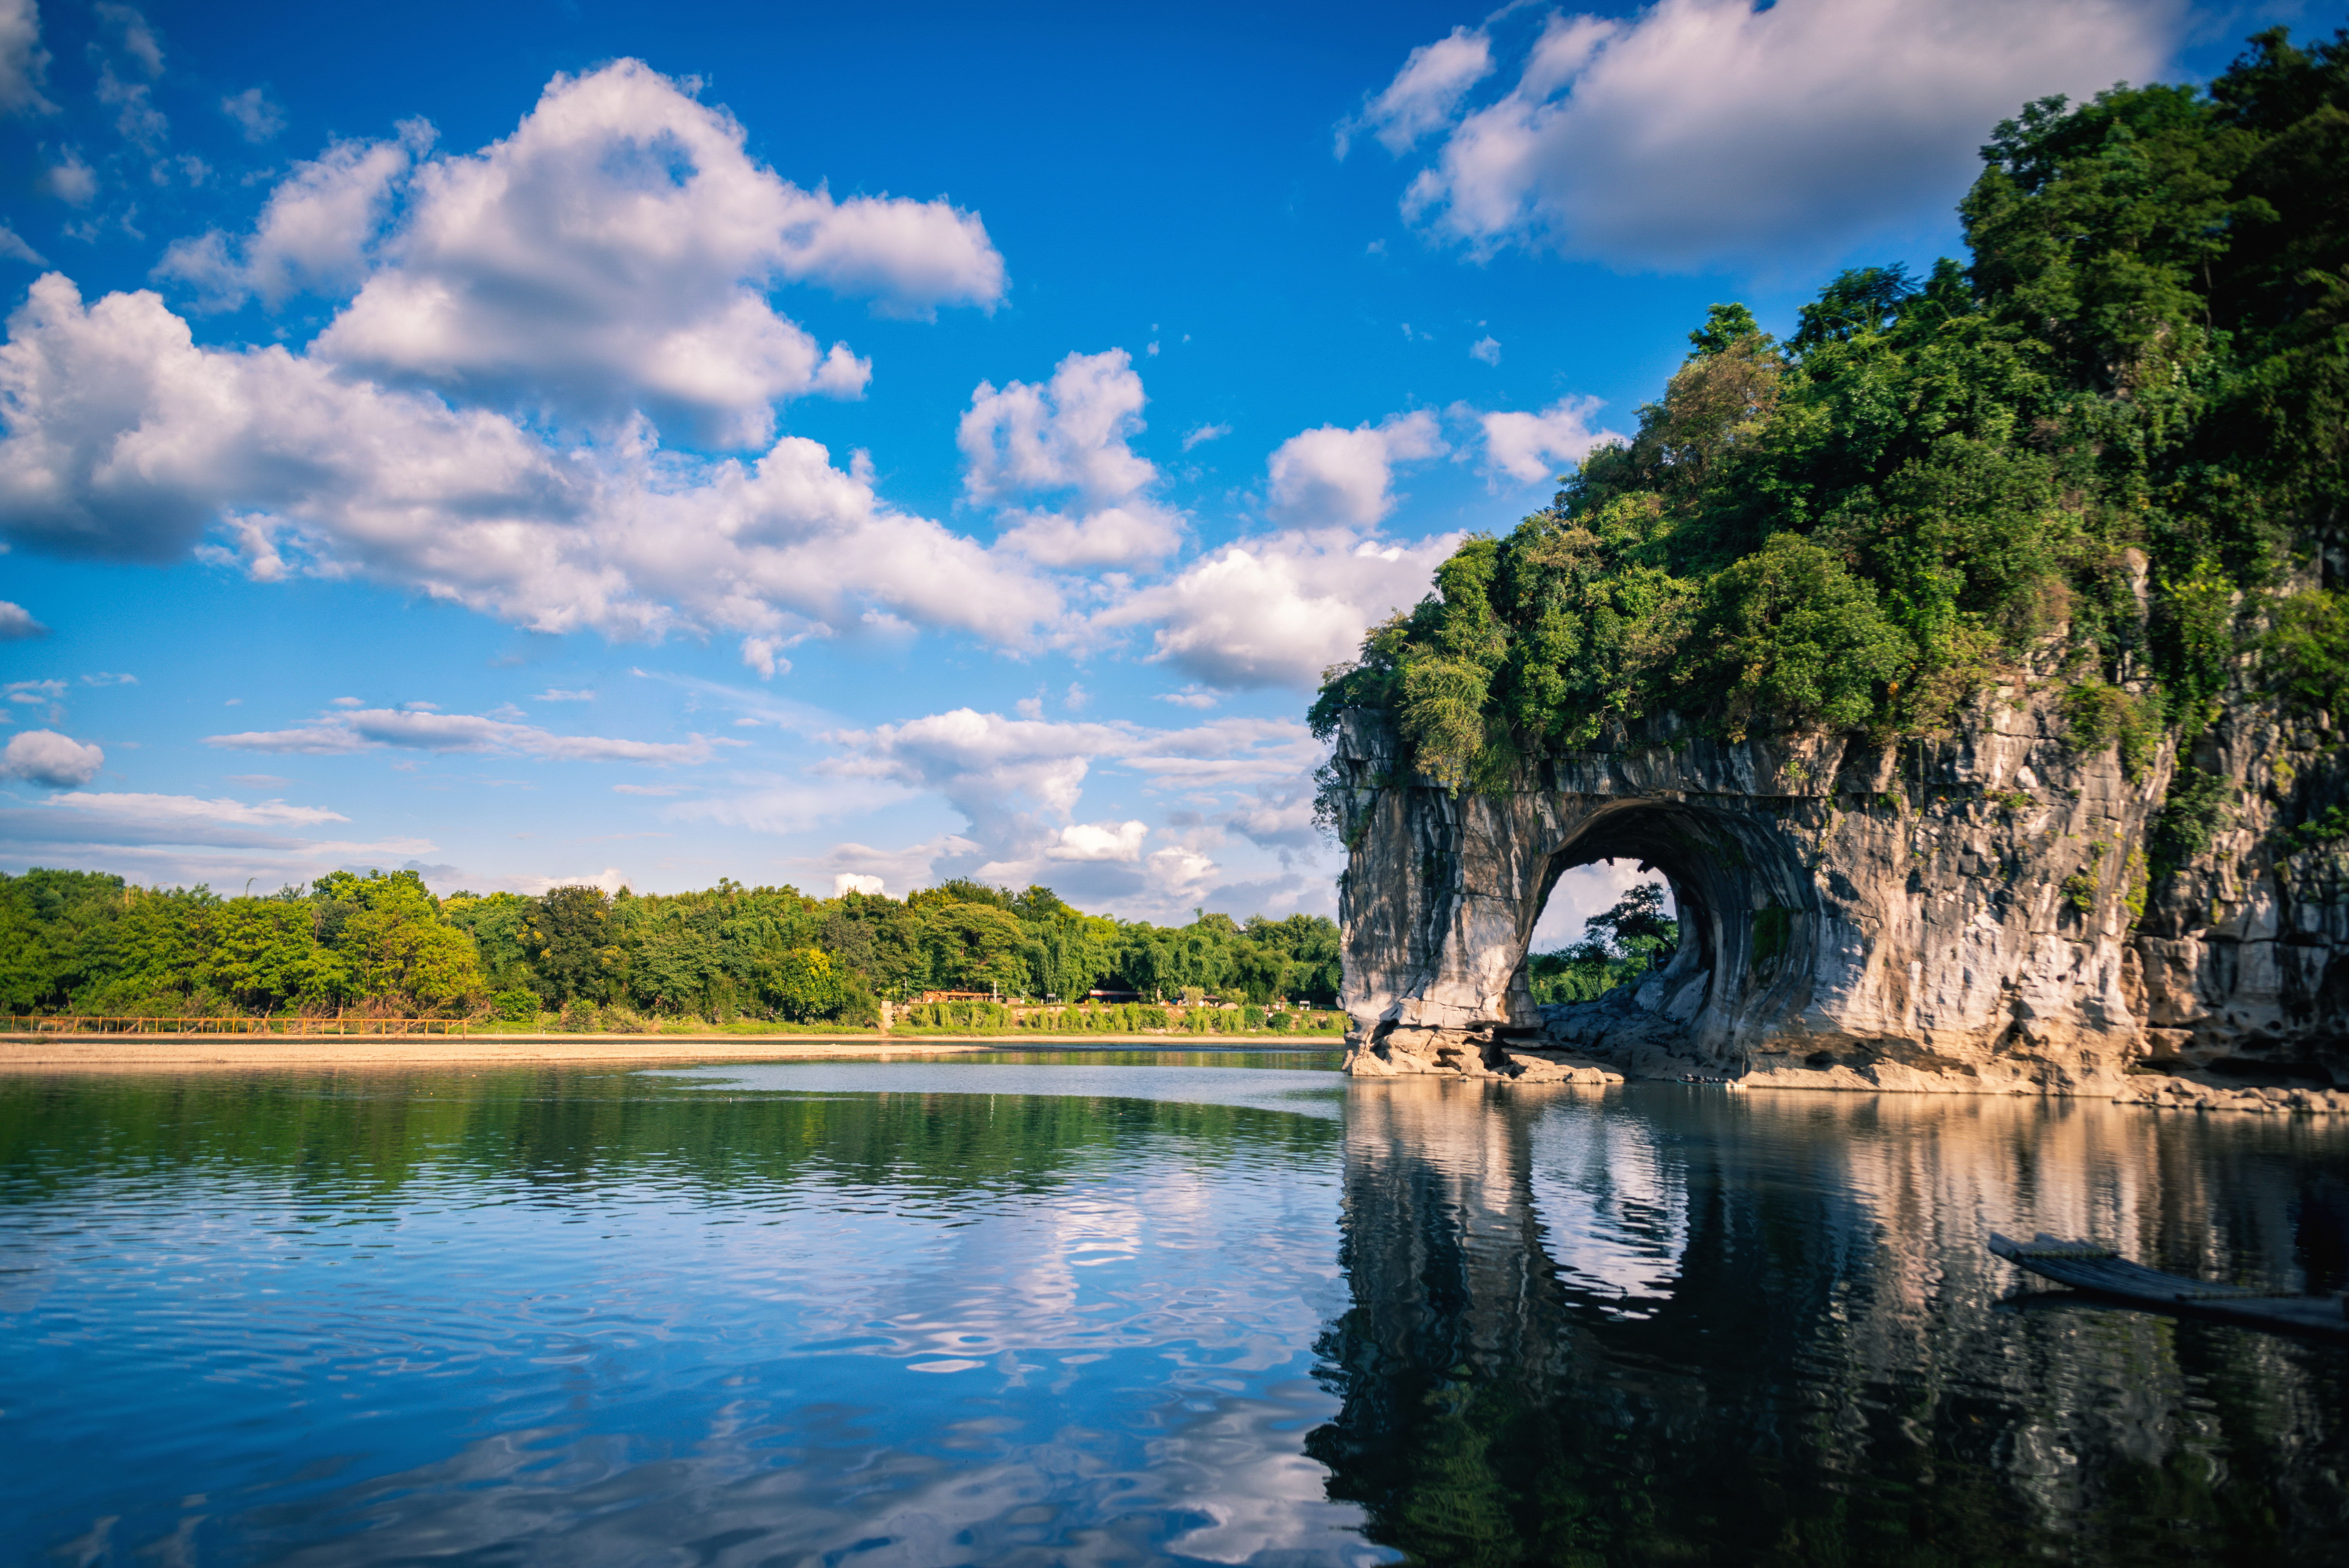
(113, 1053)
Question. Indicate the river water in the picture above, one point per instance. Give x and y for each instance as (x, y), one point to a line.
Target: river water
(1092, 1309)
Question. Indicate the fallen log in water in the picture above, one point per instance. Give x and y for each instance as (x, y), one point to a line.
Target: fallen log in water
(2099, 1271)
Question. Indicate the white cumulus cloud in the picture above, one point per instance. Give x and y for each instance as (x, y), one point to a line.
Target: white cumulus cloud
(1425, 94)
(1279, 609)
(1098, 842)
(1704, 131)
(1529, 449)
(124, 439)
(45, 756)
(315, 234)
(1068, 438)
(615, 253)
(16, 623)
(1346, 478)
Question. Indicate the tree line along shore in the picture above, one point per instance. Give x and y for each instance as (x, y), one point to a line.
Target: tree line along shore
(577, 958)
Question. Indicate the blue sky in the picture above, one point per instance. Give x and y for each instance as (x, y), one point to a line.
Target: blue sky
(647, 444)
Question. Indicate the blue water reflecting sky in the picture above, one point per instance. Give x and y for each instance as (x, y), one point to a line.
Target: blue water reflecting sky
(1039, 1312)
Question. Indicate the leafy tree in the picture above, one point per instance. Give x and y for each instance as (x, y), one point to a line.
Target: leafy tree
(971, 945)
(569, 939)
(802, 984)
(1636, 926)
(1619, 945)
(399, 952)
(263, 955)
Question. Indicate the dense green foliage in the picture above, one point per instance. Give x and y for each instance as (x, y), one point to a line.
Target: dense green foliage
(2103, 448)
(1617, 948)
(88, 942)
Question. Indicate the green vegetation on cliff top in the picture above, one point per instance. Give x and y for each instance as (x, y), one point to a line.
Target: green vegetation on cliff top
(2114, 442)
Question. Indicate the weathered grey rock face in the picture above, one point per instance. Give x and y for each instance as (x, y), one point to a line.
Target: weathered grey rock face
(1963, 915)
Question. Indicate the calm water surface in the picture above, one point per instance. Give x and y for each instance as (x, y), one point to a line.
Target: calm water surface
(1090, 1309)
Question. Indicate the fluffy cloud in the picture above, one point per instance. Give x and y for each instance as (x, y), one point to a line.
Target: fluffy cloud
(1069, 436)
(846, 882)
(1278, 610)
(24, 64)
(1019, 784)
(1098, 842)
(315, 234)
(1425, 93)
(612, 255)
(1528, 449)
(45, 756)
(16, 623)
(70, 180)
(1347, 477)
(1018, 781)
(997, 772)
(1281, 818)
(125, 439)
(374, 728)
(615, 252)
(1702, 131)
(904, 868)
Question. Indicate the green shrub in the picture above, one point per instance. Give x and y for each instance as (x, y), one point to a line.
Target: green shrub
(2306, 650)
(515, 1006)
(2198, 809)
(2330, 826)
(2103, 715)
(1790, 637)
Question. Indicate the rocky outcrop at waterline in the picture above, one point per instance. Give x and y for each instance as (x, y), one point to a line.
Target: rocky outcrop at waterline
(1981, 915)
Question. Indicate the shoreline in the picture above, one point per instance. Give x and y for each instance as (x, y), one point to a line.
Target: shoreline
(55, 1053)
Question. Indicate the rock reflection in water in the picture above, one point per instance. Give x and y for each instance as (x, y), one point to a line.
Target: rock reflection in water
(1683, 1326)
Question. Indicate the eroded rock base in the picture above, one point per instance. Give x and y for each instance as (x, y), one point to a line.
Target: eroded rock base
(1620, 1038)
(1474, 1054)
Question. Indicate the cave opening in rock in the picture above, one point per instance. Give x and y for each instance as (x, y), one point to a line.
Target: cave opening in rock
(1741, 902)
(1580, 945)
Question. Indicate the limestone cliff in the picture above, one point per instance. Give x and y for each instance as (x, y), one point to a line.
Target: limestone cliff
(1976, 915)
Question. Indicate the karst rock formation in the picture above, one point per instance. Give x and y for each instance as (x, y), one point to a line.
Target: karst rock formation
(1975, 915)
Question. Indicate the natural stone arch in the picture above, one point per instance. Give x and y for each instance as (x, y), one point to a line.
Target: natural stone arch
(1961, 920)
(1749, 918)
